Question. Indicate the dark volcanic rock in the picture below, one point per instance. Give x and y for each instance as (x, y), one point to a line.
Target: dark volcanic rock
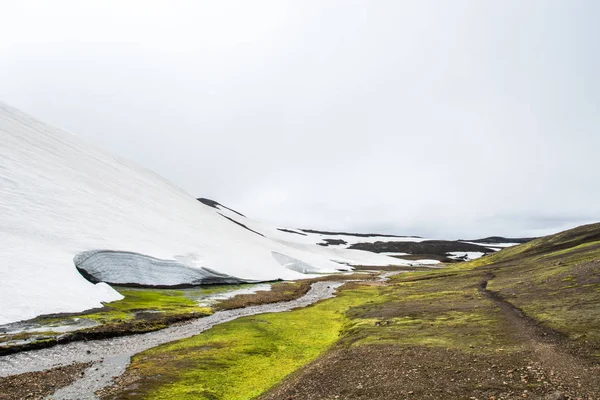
(437, 247)
(332, 242)
(291, 231)
(240, 224)
(217, 205)
(353, 234)
(498, 239)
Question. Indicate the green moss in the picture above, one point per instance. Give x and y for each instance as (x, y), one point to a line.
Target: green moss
(419, 310)
(243, 358)
(560, 290)
(147, 300)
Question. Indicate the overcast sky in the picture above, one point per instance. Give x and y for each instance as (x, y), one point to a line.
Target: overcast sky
(435, 118)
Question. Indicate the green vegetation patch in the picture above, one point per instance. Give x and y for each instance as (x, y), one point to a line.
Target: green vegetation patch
(554, 280)
(147, 300)
(280, 291)
(419, 309)
(563, 295)
(141, 310)
(242, 358)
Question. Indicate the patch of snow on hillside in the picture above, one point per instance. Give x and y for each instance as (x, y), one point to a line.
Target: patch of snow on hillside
(465, 255)
(494, 246)
(425, 262)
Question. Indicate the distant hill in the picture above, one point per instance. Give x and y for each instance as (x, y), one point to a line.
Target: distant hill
(354, 234)
(498, 240)
(436, 247)
(546, 245)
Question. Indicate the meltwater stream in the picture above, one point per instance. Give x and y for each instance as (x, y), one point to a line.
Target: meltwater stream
(110, 357)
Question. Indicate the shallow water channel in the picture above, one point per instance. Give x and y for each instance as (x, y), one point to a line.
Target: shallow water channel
(110, 357)
(48, 327)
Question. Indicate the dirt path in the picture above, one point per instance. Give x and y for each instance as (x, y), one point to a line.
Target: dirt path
(548, 346)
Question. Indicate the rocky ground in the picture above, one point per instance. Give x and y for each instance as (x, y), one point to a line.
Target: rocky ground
(38, 385)
(393, 372)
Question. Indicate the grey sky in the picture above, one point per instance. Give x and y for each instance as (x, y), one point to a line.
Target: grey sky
(440, 118)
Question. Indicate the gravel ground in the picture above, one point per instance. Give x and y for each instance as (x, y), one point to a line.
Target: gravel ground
(110, 357)
(37, 385)
(389, 372)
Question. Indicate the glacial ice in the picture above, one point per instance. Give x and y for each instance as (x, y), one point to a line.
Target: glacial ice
(128, 268)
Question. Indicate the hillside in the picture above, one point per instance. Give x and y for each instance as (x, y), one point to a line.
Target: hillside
(582, 235)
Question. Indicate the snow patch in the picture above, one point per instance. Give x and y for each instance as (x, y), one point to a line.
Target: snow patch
(465, 255)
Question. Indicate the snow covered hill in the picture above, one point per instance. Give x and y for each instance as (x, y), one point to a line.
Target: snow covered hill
(65, 204)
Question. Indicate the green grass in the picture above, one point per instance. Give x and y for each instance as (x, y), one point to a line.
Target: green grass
(141, 310)
(565, 241)
(562, 291)
(435, 310)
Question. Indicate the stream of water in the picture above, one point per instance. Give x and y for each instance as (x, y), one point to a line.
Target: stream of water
(110, 357)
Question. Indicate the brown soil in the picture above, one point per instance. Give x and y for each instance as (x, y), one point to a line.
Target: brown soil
(393, 372)
(284, 291)
(37, 385)
(391, 268)
(439, 247)
(414, 257)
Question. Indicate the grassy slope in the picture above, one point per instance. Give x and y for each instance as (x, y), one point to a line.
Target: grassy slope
(555, 280)
(561, 241)
(244, 358)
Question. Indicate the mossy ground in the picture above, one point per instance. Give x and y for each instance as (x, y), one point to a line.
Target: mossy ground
(137, 301)
(286, 291)
(146, 309)
(242, 358)
(141, 310)
(560, 289)
(431, 309)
